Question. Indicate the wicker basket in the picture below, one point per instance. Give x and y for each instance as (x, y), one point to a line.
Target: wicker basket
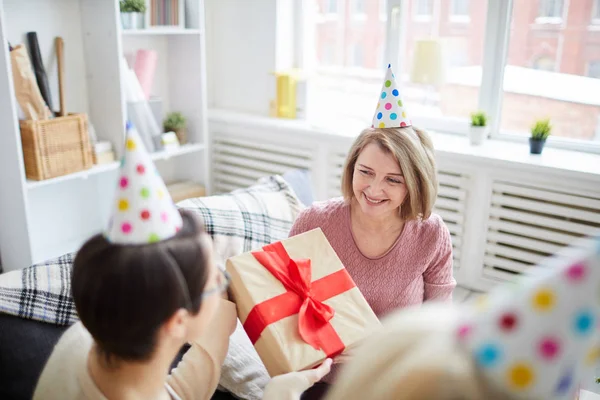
(56, 147)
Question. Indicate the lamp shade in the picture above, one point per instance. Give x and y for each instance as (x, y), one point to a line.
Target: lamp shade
(428, 63)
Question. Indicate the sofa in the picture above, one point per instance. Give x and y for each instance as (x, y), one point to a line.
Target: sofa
(27, 340)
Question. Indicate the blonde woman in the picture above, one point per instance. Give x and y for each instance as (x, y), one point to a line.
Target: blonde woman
(397, 251)
(535, 340)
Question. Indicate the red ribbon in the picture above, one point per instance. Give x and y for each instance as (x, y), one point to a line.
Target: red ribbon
(302, 297)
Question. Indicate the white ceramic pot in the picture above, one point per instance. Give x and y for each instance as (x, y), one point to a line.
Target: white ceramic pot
(477, 134)
(132, 20)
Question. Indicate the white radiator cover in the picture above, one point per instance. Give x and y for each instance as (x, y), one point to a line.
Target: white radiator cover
(503, 218)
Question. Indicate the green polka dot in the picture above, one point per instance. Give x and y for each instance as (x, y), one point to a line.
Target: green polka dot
(388, 83)
(145, 192)
(400, 103)
(153, 238)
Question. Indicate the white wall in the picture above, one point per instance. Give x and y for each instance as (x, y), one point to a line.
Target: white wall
(241, 46)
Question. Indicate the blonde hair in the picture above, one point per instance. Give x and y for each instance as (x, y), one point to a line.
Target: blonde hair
(413, 150)
(415, 357)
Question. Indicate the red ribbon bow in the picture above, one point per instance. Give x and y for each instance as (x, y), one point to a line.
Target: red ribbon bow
(302, 297)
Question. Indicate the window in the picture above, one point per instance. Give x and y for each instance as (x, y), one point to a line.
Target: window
(593, 70)
(358, 6)
(331, 6)
(459, 8)
(551, 9)
(552, 88)
(596, 12)
(510, 68)
(423, 8)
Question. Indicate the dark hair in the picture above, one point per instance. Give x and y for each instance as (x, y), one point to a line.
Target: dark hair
(124, 293)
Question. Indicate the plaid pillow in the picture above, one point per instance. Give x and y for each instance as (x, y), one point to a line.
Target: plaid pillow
(239, 221)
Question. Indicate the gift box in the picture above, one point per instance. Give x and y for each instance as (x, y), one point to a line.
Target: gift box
(297, 302)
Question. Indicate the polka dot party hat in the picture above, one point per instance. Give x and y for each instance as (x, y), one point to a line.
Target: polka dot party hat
(143, 209)
(390, 112)
(535, 339)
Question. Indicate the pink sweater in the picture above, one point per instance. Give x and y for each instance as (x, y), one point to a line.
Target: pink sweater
(417, 267)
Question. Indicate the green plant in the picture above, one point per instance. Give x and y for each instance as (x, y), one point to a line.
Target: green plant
(174, 121)
(133, 6)
(541, 129)
(479, 118)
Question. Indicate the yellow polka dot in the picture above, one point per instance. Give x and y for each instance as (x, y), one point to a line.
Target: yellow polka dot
(130, 144)
(543, 300)
(520, 376)
(481, 303)
(593, 356)
(381, 125)
(378, 104)
(403, 114)
(123, 205)
(160, 194)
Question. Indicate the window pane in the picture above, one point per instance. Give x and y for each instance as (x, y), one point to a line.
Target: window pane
(550, 73)
(348, 60)
(460, 7)
(550, 8)
(424, 7)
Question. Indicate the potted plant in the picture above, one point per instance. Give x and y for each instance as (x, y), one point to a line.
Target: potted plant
(539, 133)
(176, 122)
(479, 129)
(132, 13)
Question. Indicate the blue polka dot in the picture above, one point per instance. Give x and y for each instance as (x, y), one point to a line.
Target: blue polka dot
(122, 161)
(393, 76)
(584, 322)
(393, 116)
(488, 355)
(564, 384)
(383, 94)
(389, 65)
(395, 92)
(379, 115)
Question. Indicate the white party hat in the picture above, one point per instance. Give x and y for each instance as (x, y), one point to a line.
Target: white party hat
(535, 339)
(390, 112)
(143, 209)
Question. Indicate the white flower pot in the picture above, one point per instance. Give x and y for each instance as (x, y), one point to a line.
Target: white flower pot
(132, 20)
(477, 134)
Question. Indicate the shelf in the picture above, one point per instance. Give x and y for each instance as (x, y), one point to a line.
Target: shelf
(185, 149)
(98, 169)
(159, 32)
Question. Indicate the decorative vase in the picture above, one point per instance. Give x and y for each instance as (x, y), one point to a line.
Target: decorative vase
(132, 20)
(536, 146)
(477, 134)
(181, 135)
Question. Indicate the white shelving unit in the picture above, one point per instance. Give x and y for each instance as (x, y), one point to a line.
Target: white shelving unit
(40, 220)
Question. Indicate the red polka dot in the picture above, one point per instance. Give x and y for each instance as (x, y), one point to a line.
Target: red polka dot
(145, 215)
(508, 322)
(164, 216)
(123, 182)
(388, 106)
(576, 272)
(402, 124)
(140, 169)
(126, 227)
(464, 331)
(549, 348)
(177, 229)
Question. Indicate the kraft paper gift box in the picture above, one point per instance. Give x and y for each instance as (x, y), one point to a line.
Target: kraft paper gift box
(298, 312)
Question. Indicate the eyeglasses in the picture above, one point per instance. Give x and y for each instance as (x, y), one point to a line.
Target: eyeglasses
(223, 281)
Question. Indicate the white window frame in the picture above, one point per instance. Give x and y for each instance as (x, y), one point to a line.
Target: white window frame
(358, 16)
(543, 20)
(491, 93)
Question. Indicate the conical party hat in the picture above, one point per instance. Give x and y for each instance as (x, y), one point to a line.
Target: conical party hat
(143, 209)
(390, 112)
(535, 339)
